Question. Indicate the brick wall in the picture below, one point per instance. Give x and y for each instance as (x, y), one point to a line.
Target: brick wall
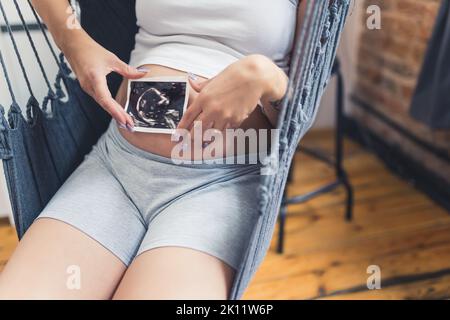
(388, 65)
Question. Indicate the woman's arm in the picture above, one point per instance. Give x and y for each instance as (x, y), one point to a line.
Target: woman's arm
(276, 87)
(272, 102)
(90, 62)
(226, 100)
(54, 14)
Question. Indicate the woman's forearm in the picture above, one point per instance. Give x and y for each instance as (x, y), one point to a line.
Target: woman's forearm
(274, 83)
(90, 62)
(57, 15)
(276, 80)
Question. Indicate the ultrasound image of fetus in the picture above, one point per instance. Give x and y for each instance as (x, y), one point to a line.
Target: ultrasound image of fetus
(157, 105)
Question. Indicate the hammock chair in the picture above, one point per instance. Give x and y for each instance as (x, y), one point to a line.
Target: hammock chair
(43, 145)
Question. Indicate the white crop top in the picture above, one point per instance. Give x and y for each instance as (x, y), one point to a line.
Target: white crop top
(205, 36)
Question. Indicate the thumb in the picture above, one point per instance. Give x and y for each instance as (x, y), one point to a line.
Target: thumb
(128, 71)
(198, 85)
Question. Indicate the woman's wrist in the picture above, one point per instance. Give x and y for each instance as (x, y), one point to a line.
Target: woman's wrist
(273, 80)
(71, 40)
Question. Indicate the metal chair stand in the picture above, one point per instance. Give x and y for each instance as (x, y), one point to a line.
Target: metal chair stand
(337, 163)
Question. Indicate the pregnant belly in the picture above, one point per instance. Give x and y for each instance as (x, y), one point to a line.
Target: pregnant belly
(162, 145)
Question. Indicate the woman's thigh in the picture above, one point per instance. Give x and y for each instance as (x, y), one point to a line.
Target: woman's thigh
(192, 247)
(172, 273)
(57, 261)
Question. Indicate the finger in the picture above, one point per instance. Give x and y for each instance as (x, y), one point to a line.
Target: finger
(207, 123)
(128, 71)
(103, 97)
(221, 125)
(198, 85)
(192, 96)
(197, 130)
(190, 115)
(228, 126)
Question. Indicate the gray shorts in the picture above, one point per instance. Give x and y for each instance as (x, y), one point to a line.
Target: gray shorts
(131, 201)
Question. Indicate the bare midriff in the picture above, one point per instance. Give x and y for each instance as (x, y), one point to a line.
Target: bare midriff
(162, 144)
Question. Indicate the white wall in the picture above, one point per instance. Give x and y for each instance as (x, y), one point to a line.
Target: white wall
(34, 73)
(347, 53)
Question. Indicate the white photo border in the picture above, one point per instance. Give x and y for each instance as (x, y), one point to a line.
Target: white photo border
(180, 79)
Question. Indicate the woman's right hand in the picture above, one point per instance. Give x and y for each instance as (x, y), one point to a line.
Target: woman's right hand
(91, 64)
(89, 60)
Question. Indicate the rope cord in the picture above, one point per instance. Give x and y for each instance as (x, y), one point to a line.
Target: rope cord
(33, 46)
(8, 80)
(44, 33)
(16, 50)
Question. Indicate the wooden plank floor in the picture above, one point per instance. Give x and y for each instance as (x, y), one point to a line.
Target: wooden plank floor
(395, 227)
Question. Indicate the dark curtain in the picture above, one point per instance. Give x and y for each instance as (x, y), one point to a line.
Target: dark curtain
(431, 101)
(112, 23)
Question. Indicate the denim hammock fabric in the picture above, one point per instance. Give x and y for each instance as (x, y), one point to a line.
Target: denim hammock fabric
(431, 101)
(41, 148)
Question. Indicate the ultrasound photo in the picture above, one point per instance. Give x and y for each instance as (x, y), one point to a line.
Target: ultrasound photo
(157, 104)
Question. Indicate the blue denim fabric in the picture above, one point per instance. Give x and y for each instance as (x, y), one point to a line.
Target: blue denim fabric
(40, 151)
(312, 61)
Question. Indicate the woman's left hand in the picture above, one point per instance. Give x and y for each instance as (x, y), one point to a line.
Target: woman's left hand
(226, 100)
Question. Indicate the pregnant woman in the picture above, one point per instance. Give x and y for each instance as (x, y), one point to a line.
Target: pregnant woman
(129, 223)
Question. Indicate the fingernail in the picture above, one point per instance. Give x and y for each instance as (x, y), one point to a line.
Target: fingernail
(143, 70)
(130, 128)
(122, 126)
(192, 76)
